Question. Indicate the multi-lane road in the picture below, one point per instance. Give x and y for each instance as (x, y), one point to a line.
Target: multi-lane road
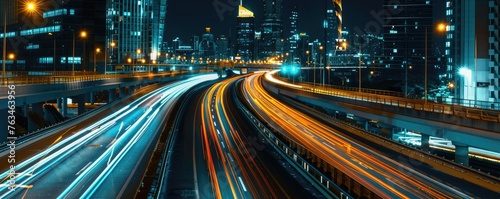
(216, 150)
(380, 174)
(103, 159)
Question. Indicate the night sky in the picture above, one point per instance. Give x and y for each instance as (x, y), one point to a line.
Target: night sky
(186, 18)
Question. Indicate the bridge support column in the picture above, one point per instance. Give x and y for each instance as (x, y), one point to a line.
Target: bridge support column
(64, 107)
(461, 153)
(424, 140)
(367, 125)
(389, 132)
(122, 92)
(131, 90)
(112, 95)
(81, 104)
(26, 110)
(92, 98)
(59, 104)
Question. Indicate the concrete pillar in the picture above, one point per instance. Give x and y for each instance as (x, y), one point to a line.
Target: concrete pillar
(367, 125)
(59, 104)
(64, 107)
(112, 95)
(424, 140)
(81, 103)
(92, 98)
(122, 92)
(26, 110)
(131, 90)
(391, 133)
(461, 153)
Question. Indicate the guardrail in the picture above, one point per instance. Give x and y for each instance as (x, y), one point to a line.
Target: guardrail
(481, 111)
(81, 77)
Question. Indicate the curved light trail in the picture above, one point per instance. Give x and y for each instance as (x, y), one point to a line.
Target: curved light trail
(88, 180)
(385, 177)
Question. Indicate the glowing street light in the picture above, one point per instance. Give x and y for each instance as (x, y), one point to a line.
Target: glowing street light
(83, 35)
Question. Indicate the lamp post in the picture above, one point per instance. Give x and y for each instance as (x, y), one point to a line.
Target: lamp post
(138, 51)
(83, 34)
(112, 44)
(322, 72)
(97, 51)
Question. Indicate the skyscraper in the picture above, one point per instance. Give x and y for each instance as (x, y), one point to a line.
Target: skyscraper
(468, 43)
(272, 40)
(136, 27)
(331, 30)
(404, 32)
(294, 35)
(245, 34)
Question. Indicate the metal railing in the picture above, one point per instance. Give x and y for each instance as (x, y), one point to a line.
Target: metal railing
(22, 78)
(488, 111)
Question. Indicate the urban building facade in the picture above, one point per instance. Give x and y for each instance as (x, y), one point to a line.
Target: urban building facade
(58, 36)
(272, 40)
(407, 33)
(245, 38)
(469, 49)
(135, 30)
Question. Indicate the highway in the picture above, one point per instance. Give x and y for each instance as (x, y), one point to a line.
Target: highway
(216, 154)
(386, 177)
(238, 160)
(95, 161)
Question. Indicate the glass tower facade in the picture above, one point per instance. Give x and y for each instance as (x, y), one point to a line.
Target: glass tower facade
(245, 35)
(467, 48)
(272, 41)
(135, 30)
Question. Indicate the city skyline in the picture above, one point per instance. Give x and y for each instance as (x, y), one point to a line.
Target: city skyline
(310, 18)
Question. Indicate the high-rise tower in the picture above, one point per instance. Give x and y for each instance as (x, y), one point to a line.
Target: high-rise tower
(471, 27)
(405, 39)
(136, 29)
(245, 34)
(272, 42)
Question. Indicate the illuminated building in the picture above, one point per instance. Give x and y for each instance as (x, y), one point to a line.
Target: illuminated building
(245, 34)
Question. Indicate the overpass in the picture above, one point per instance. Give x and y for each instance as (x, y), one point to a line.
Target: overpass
(28, 95)
(464, 126)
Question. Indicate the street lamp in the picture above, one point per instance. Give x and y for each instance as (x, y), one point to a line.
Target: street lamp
(97, 51)
(320, 63)
(83, 34)
(112, 44)
(440, 27)
(138, 52)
